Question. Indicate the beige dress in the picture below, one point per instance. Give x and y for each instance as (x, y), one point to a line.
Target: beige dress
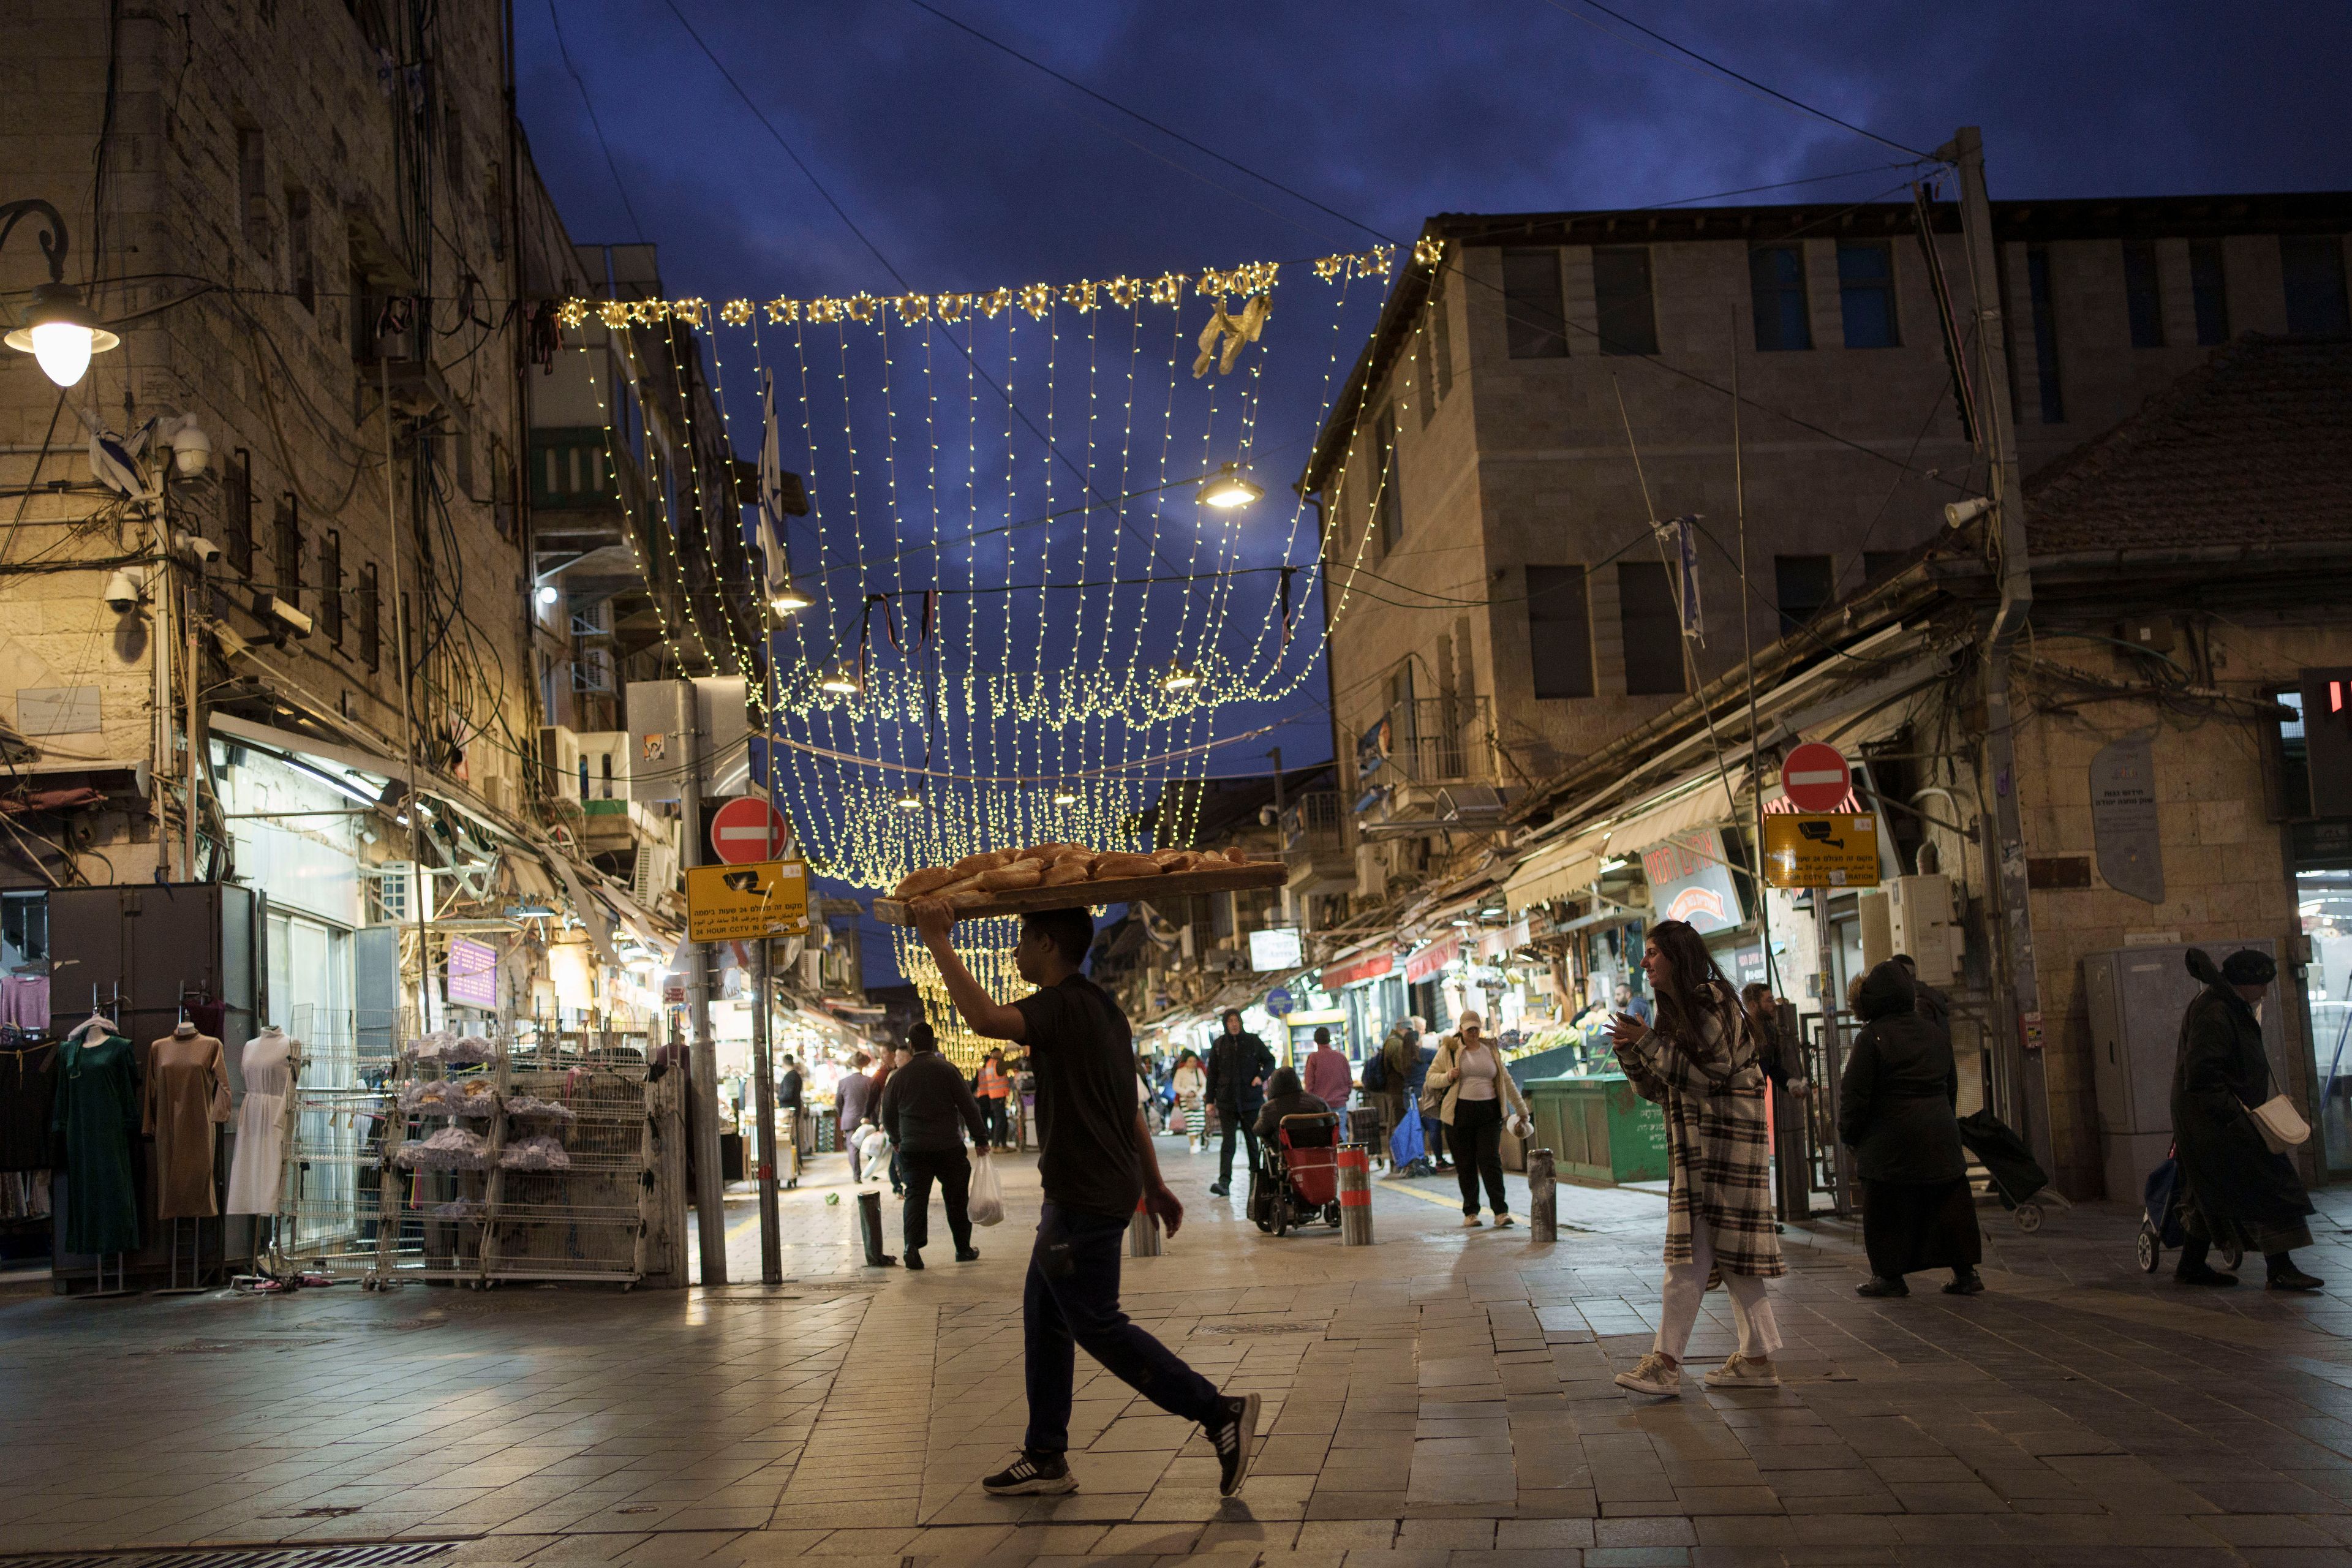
(186, 1103)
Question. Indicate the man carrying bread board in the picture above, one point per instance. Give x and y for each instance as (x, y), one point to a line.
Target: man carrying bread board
(1097, 1165)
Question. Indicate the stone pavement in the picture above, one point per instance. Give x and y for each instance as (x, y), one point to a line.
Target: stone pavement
(1441, 1399)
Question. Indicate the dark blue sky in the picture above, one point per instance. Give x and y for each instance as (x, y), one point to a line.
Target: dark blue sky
(967, 169)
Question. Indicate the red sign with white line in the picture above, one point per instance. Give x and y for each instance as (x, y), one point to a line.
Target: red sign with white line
(748, 830)
(1816, 778)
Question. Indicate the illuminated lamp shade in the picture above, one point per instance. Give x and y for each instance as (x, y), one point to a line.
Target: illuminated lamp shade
(1226, 490)
(787, 599)
(842, 682)
(910, 799)
(1065, 795)
(60, 333)
(1179, 678)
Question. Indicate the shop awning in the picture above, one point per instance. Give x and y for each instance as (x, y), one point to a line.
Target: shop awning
(1362, 967)
(1707, 806)
(1432, 959)
(1557, 872)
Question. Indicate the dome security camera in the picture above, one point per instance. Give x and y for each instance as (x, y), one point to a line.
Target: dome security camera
(125, 590)
(192, 449)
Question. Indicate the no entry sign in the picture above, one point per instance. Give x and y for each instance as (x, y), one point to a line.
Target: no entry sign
(1816, 778)
(748, 830)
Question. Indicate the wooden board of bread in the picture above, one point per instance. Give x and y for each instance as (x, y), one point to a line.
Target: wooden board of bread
(1061, 877)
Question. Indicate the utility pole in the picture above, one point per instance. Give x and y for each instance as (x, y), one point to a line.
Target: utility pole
(2021, 1042)
(1281, 833)
(772, 1235)
(702, 1069)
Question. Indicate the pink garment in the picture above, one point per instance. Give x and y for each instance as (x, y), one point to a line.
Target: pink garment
(24, 1000)
(1327, 1078)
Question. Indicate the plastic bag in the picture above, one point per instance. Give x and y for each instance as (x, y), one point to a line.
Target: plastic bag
(986, 1203)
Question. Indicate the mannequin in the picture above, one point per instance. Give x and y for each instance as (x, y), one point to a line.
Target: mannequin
(98, 1107)
(271, 1065)
(187, 1101)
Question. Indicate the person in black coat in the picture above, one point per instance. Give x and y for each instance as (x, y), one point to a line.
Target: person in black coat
(1284, 1096)
(1896, 1112)
(1238, 1065)
(2235, 1188)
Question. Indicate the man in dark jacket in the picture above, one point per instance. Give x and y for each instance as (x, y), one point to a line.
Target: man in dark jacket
(2235, 1188)
(926, 1107)
(1895, 1111)
(1931, 1004)
(1238, 1063)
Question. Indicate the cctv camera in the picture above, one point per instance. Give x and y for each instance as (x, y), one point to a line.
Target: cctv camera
(195, 547)
(296, 621)
(124, 590)
(1960, 513)
(192, 449)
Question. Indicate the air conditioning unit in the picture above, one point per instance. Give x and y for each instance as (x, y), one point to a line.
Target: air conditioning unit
(593, 620)
(653, 873)
(592, 670)
(1920, 922)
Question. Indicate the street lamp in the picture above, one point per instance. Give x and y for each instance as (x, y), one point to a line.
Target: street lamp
(1065, 795)
(841, 682)
(1227, 490)
(787, 599)
(1179, 678)
(910, 799)
(59, 331)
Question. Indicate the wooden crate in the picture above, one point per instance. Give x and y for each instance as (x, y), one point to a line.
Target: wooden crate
(1079, 895)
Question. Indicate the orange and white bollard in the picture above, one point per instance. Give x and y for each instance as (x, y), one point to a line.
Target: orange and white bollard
(1355, 1165)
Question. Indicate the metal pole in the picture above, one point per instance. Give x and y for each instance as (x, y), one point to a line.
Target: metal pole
(771, 1238)
(1748, 656)
(1543, 1196)
(1832, 1067)
(2022, 1042)
(420, 893)
(702, 1071)
(1355, 1163)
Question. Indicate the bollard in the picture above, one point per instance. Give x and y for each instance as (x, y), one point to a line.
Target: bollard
(1543, 1197)
(1143, 1234)
(1355, 1164)
(869, 1230)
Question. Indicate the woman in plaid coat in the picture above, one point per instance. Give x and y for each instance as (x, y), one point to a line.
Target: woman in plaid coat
(1700, 1063)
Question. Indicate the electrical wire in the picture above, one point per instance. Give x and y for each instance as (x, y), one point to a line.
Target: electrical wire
(613, 168)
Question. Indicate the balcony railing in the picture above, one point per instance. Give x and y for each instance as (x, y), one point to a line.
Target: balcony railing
(1429, 740)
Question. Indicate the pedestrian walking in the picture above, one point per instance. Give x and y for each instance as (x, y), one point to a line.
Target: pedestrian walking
(2237, 1187)
(1778, 1054)
(1932, 1004)
(1192, 1086)
(1433, 1131)
(1475, 1095)
(893, 1058)
(1238, 1063)
(994, 1088)
(1699, 1063)
(851, 1098)
(1399, 1050)
(927, 1110)
(1328, 1077)
(1895, 1111)
(1098, 1165)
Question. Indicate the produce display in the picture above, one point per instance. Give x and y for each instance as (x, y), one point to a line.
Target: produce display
(984, 877)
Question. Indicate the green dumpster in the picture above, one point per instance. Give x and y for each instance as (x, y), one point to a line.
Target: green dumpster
(1598, 1130)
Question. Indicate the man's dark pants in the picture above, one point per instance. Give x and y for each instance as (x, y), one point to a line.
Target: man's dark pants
(1236, 1122)
(953, 1168)
(1071, 1299)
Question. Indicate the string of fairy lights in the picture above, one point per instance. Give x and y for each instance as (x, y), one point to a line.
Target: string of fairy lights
(938, 635)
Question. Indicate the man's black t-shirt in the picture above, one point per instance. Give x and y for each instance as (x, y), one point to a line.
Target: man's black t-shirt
(788, 1092)
(1084, 1055)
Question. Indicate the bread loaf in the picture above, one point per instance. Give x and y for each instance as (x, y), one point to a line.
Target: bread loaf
(1072, 868)
(986, 860)
(1109, 867)
(968, 897)
(930, 879)
(1020, 874)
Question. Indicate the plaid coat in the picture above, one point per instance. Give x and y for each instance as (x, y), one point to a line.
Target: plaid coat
(1715, 1141)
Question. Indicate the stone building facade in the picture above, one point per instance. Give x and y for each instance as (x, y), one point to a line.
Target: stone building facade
(1526, 408)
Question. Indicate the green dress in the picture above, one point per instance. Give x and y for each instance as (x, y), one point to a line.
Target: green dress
(98, 1111)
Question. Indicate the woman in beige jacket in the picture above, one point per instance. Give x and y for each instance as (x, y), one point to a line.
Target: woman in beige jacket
(1474, 1093)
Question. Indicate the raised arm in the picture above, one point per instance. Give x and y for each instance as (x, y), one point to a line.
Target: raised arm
(936, 922)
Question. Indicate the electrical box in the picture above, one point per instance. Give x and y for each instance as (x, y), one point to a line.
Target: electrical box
(2136, 998)
(1919, 917)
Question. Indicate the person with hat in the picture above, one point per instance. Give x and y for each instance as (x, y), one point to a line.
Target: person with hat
(2235, 1187)
(1477, 1096)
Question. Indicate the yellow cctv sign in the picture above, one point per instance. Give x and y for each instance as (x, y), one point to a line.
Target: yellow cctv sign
(735, 903)
(1821, 849)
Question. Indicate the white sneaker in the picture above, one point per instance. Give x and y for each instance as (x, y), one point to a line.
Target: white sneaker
(1653, 1373)
(1504, 1222)
(1744, 1371)
(1471, 1222)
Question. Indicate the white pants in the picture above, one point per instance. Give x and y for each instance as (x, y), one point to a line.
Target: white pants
(1751, 1309)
